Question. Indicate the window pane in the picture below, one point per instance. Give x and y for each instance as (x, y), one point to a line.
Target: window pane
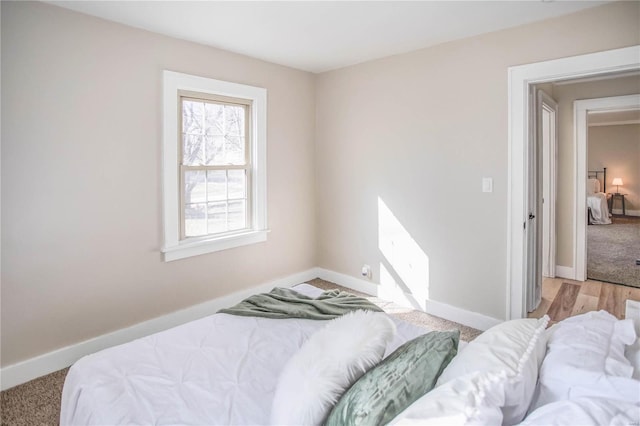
(192, 150)
(237, 215)
(214, 119)
(195, 187)
(234, 120)
(217, 217)
(195, 220)
(234, 150)
(216, 185)
(215, 150)
(236, 184)
(192, 117)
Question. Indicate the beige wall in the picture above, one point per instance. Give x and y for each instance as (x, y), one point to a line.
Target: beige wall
(81, 196)
(565, 95)
(618, 149)
(419, 131)
(401, 145)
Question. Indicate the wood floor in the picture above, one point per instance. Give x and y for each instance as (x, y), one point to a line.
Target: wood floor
(562, 298)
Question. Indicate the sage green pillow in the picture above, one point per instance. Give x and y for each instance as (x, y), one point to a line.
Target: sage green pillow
(399, 380)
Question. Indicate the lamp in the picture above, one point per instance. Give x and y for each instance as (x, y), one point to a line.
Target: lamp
(617, 182)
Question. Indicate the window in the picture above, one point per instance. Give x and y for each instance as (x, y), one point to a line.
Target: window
(214, 175)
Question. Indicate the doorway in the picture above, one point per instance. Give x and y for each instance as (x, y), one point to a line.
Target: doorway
(519, 206)
(582, 110)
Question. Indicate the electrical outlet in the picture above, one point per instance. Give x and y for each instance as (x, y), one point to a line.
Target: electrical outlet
(366, 271)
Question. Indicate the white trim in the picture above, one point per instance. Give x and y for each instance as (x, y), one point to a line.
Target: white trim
(21, 372)
(565, 272)
(581, 108)
(614, 123)
(596, 78)
(173, 248)
(632, 312)
(348, 281)
(627, 212)
(442, 310)
(188, 248)
(462, 316)
(15, 374)
(519, 79)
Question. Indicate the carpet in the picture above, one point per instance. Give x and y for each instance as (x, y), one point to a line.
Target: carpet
(612, 251)
(38, 402)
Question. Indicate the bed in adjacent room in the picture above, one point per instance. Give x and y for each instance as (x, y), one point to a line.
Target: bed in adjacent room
(304, 356)
(597, 203)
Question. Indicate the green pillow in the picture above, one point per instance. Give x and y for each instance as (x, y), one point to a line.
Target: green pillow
(399, 380)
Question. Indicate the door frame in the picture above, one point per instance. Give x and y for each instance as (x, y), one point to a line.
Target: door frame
(581, 109)
(519, 80)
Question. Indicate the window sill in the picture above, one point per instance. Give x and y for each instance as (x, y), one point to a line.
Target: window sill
(194, 248)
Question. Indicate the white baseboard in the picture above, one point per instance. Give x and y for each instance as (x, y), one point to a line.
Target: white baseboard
(439, 309)
(565, 272)
(469, 318)
(15, 374)
(21, 372)
(348, 281)
(627, 212)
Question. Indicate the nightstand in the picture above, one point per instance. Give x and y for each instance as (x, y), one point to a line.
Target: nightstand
(612, 202)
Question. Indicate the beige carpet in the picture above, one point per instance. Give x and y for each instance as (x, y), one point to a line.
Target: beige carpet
(410, 315)
(612, 251)
(35, 403)
(38, 401)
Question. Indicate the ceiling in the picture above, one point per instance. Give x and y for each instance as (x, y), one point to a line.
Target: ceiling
(318, 36)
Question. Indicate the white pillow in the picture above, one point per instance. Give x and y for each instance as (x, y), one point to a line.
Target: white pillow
(474, 399)
(585, 412)
(585, 357)
(593, 186)
(514, 349)
(327, 364)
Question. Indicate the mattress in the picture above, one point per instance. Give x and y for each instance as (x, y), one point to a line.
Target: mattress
(222, 369)
(599, 210)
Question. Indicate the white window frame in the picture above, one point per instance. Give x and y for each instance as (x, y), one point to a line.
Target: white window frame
(174, 247)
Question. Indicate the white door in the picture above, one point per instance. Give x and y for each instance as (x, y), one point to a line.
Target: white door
(547, 112)
(541, 196)
(532, 273)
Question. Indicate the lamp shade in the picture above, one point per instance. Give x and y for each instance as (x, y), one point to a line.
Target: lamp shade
(617, 181)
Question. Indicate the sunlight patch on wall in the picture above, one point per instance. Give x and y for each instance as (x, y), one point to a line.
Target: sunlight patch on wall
(392, 291)
(406, 260)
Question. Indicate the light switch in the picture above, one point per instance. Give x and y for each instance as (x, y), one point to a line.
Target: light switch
(487, 184)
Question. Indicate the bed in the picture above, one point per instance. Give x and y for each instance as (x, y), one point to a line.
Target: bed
(232, 368)
(597, 203)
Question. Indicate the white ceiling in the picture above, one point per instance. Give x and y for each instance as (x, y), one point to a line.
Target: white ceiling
(319, 36)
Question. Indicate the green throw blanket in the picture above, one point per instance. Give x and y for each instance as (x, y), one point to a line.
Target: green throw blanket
(287, 303)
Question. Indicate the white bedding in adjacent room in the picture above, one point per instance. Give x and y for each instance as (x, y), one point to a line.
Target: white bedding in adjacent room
(597, 203)
(599, 209)
(222, 369)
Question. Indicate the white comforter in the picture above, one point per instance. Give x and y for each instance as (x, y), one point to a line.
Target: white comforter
(221, 369)
(599, 209)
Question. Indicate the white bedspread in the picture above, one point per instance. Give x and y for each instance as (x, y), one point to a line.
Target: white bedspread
(219, 370)
(599, 209)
